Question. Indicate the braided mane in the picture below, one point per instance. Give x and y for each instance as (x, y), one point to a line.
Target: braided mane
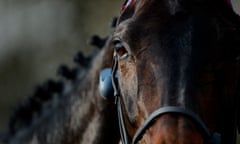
(63, 108)
(47, 96)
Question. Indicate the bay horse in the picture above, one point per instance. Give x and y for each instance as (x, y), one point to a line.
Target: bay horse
(177, 67)
(71, 111)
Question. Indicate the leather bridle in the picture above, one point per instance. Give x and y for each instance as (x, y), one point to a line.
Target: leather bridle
(209, 138)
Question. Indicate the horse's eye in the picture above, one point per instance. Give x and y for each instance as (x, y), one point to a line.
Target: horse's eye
(120, 50)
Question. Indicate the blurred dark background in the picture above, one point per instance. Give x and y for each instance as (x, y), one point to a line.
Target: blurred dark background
(36, 36)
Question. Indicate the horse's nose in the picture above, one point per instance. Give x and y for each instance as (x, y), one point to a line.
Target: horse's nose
(172, 129)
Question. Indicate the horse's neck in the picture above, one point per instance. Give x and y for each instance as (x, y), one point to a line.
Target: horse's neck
(81, 116)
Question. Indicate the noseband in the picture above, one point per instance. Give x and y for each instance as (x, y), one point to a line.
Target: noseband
(209, 138)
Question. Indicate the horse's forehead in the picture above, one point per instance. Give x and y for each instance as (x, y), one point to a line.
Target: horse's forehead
(146, 13)
(142, 9)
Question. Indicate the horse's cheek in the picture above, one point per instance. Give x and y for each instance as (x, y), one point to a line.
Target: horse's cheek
(127, 79)
(128, 87)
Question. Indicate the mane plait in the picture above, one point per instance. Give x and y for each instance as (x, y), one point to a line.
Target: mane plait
(33, 107)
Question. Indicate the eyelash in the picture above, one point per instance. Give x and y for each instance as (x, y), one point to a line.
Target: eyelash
(120, 50)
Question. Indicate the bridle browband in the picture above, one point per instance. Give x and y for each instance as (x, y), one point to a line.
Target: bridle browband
(209, 138)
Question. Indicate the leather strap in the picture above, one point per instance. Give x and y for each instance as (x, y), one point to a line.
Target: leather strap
(123, 130)
(173, 109)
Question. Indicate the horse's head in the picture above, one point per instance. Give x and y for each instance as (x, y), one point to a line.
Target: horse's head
(177, 71)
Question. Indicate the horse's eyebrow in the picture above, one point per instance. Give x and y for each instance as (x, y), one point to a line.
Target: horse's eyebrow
(116, 37)
(140, 51)
(120, 31)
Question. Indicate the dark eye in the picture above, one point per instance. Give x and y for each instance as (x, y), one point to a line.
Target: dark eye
(120, 50)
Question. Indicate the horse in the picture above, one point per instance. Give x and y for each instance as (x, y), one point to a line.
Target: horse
(175, 72)
(69, 110)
